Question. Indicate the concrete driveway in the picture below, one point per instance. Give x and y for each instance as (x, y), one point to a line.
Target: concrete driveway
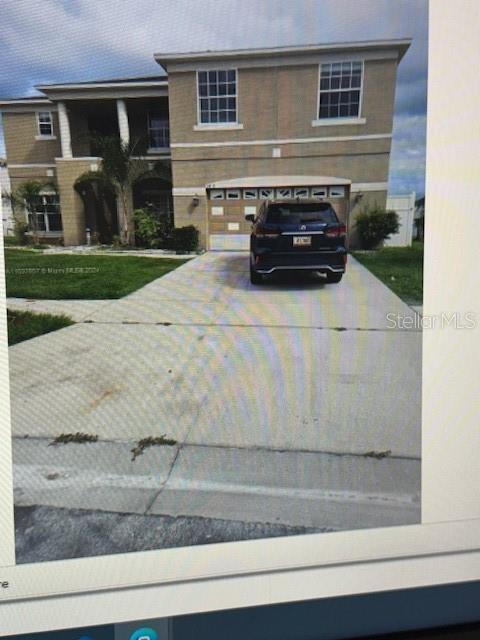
(294, 368)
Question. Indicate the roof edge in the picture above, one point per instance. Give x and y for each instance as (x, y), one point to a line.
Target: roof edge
(402, 44)
(279, 181)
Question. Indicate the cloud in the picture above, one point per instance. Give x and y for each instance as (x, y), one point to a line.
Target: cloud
(71, 40)
(407, 160)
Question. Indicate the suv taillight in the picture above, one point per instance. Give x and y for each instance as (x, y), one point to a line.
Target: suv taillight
(339, 231)
(265, 232)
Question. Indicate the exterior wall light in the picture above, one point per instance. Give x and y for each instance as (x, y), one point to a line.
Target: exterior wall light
(195, 201)
(358, 197)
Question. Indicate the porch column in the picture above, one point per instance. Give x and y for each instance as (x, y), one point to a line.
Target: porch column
(123, 121)
(64, 127)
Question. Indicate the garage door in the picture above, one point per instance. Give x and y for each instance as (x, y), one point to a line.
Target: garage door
(227, 228)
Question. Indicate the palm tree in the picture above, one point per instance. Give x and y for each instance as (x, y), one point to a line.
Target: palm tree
(29, 194)
(122, 171)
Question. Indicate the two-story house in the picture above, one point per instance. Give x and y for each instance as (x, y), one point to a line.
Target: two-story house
(231, 128)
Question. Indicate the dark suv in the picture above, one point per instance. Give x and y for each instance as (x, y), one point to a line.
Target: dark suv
(305, 235)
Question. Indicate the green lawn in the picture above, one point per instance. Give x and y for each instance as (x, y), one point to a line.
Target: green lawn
(400, 268)
(23, 325)
(31, 274)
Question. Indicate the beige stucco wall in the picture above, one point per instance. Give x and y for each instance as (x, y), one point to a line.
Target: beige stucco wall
(21, 146)
(357, 168)
(186, 214)
(281, 102)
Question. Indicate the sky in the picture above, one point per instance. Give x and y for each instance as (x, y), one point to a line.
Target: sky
(49, 41)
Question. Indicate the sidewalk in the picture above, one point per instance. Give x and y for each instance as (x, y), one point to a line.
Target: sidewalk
(293, 488)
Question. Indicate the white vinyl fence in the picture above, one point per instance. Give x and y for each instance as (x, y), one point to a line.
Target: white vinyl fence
(404, 205)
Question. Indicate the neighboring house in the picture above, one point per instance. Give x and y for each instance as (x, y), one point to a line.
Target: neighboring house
(232, 128)
(5, 205)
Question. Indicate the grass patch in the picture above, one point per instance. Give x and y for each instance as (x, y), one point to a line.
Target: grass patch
(160, 441)
(79, 438)
(24, 325)
(10, 241)
(31, 274)
(400, 268)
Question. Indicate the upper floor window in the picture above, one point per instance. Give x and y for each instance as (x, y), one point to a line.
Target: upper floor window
(340, 89)
(45, 123)
(217, 96)
(158, 131)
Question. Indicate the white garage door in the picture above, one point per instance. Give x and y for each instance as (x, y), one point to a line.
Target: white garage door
(225, 242)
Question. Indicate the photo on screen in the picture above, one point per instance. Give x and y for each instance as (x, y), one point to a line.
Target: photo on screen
(214, 267)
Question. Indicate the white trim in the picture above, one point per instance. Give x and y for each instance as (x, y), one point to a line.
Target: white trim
(25, 101)
(153, 156)
(122, 116)
(188, 191)
(218, 127)
(101, 85)
(32, 165)
(272, 181)
(335, 122)
(369, 186)
(40, 137)
(161, 150)
(401, 43)
(82, 158)
(294, 181)
(246, 143)
(64, 129)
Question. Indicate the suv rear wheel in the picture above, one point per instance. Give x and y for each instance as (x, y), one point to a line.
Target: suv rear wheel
(255, 278)
(332, 278)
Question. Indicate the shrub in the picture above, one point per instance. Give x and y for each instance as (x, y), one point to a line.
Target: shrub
(151, 228)
(184, 239)
(374, 225)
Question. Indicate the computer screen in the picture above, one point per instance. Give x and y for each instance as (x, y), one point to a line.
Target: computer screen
(239, 328)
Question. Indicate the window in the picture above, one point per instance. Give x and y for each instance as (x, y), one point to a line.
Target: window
(217, 194)
(340, 88)
(284, 193)
(158, 131)
(250, 194)
(217, 96)
(319, 192)
(266, 194)
(47, 213)
(233, 194)
(45, 123)
(301, 192)
(298, 213)
(336, 192)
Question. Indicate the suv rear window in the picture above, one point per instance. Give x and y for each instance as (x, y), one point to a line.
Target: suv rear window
(300, 212)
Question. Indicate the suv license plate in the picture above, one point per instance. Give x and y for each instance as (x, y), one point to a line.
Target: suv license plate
(302, 241)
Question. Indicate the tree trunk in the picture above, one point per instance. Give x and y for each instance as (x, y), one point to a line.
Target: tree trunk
(127, 224)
